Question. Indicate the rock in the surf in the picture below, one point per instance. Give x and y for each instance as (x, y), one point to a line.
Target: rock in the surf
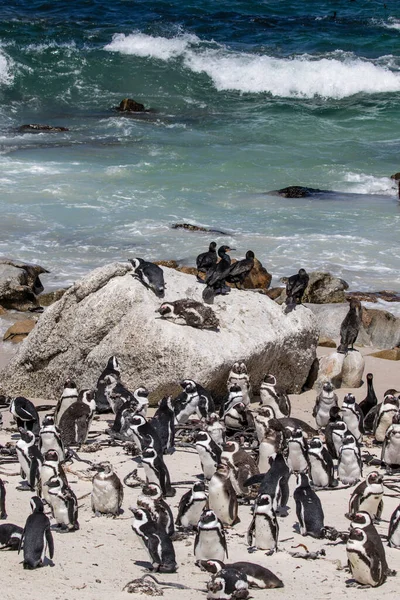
(130, 105)
(19, 284)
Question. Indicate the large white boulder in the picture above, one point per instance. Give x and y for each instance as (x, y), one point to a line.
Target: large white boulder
(109, 312)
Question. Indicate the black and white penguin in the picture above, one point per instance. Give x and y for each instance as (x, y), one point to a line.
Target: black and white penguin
(29, 457)
(391, 446)
(335, 431)
(325, 400)
(10, 536)
(295, 287)
(368, 497)
(191, 506)
(185, 404)
(163, 422)
(50, 467)
(242, 466)
(370, 400)
(263, 531)
(189, 312)
(297, 446)
(64, 504)
(206, 260)
(366, 560)
(36, 537)
(257, 576)
(107, 491)
(273, 395)
(349, 468)
(50, 438)
(209, 453)
(235, 415)
(322, 471)
(239, 376)
(216, 428)
(150, 274)
(112, 368)
(210, 539)
(228, 584)
(157, 543)
(222, 497)
(384, 417)
(241, 269)
(308, 508)
(275, 483)
(156, 471)
(144, 433)
(215, 278)
(152, 500)
(393, 532)
(69, 396)
(353, 416)
(76, 420)
(350, 327)
(25, 414)
(117, 394)
(363, 521)
(3, 512)
(136, 403)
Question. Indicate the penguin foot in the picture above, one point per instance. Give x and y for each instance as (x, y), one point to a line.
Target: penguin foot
(351, 583)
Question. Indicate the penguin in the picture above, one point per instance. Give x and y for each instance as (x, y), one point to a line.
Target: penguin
(209, 453)
(157, 543)
(222, 497)
(257, 576)
(393, 532)
(156, 471)
(308, 508)
(366, 560)
(3, 513)
(191, 506)
(210, 541)
(25, 414)
(295, 287)
(384, 418)
(294, 423)
(50, 467)
(152, 500)
(135, 404)
(228, 584)
(215, 278)
(36, 536)
(150, 274)
(325, 400)
(235, 415)
(297, 458)
(76, 420)
(263, 531)
(370, 417)
(189, 312)
(350, 327)
(349, 469)
(118, 395)
(363, 521)
(112, 368)
(391, 446)
(274, 396)
(107, 491)
(239, 376)
(10, 536)
(64, 504)
(185, 404)
(242, 466)
(275, 483)
(163, 422)
(29, 457)
(370, 400)
(144, 433)
(50, 438)
(241, 269)
(69, 396)
(368, 497)
(216, 429)
(353, 416)
(335, 431)
(270, 434)
(322, 471)
(206, 260)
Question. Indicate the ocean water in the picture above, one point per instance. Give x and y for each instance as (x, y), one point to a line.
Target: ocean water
(245, 97)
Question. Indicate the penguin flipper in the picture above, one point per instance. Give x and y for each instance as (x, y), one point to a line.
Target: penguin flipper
(21, 541)
(254, 479)
(250, 532)
(50, 541)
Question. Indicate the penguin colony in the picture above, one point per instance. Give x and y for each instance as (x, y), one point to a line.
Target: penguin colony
(254, 459)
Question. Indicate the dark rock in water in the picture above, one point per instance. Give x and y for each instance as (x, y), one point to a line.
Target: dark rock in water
(297, 191)
(190, 227)
(388, 296)
(171, 264)
(324, 288)
(35, 127)
(19, 284)
(129, 105)
(396, 176)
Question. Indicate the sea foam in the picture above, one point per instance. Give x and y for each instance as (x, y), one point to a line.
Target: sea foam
(140, 44)
(6, 76)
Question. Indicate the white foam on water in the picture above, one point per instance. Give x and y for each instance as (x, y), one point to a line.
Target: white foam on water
(391, 23)
(140, 44)
(6, 75)
(362, 183)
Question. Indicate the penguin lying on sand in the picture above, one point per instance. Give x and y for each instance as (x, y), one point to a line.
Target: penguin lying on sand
(257, 576)
(226, 584)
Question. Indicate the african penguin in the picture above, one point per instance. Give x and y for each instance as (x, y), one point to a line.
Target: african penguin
(242, 466)
(64, 504)
(366, 560)
(384, 418)
(69, 396)
(36, 537)
(25, 414)
(191, 506)
(29, 457)
(75, 422)
(163, 422)
(308, 508)
(209, 453)
(50, 467)
(157, 543)
(391, 446)
(222, 497)
(10, 536)
(239, 376)
(210, 539)
(156, 471)
(152, 500)
(257, 576)
(144, 433)
(297, 458)
(394, 529)
(275, 483)
(185, 404)
(50, 438)
(272, 395)
(112, 368)
(216, 429)
(325, 400)
(322, 473)
(263, 531)
(189, 312)
(150, 274)
(107, 491)
(352, 416)
(349, 469)
(368, 497)
(226, 584)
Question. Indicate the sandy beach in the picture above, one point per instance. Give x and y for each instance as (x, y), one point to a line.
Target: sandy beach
(104, 555)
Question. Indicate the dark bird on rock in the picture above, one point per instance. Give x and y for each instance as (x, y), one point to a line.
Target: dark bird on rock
(189, 312)
(206, 260)
(240, 269)
(215, 280)
(150, 274)
(296, 286)
(350, 327)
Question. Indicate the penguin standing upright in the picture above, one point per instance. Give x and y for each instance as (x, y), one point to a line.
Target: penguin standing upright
(350, 327)
(50, 438)
(191, 506)
(51, 467)
(156, 471)
(163, 422)
(228, 584)
(322, 472)
(216, 429)
(235, 414)
(113, 368)
(118, 395)
(64, 504)
(366, 560)
(153, 501)
(384, 417)
(391, 446)
(29, 457)
(185, 404)
(325, 400)
(107, 491)
(264, 529)
(335, 431)
(242, 466)
(75, 422)
(239, 376)
(272, 440)
(353, 416)
(222, 497)
(272, 395)
(157, 543)
(275, 483)
(144, 433)
(36, 536)
(349, 467)
(25, 414)
(297, 458)
(394, 529)
(209, 453)
(210, 539)
(69, 396)
(150, 274)
(308, 508)
(3, 512)
(368, 497)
